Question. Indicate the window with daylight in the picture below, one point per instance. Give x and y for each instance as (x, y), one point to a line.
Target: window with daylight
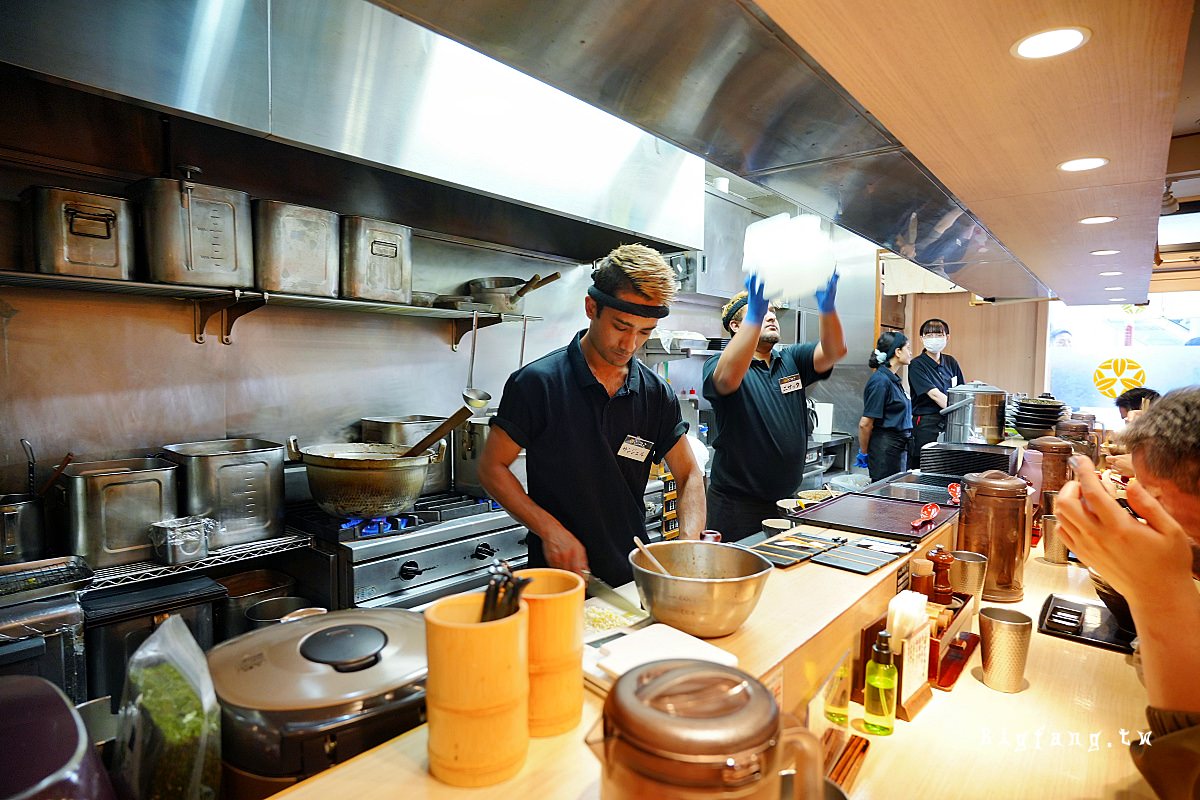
(1097, 352)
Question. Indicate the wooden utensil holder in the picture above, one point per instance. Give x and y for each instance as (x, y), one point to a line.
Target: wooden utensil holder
(910, 697)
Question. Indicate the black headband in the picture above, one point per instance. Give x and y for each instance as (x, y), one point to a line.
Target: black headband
(637, 309)
(734, 307)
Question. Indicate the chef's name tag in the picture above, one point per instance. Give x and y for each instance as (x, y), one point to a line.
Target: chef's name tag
(635, 448)
(791, 383)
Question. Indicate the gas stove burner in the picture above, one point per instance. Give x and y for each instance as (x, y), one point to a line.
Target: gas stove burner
(442, 507)
(379, 526)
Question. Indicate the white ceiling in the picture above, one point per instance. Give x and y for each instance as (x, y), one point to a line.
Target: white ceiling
(992, 128)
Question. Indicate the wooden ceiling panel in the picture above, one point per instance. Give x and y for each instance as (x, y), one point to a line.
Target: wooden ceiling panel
(1058, 248)
(993, 127)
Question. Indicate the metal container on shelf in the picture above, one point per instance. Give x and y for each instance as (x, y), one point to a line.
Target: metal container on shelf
(296, 249)
(105, 508)
(77, 233)
(238, 482)
(469, 441)
(993, 522)
(975, 413)
(21, 534)
(195, 234)
(376, 260)
(245, 589)
(410, 430)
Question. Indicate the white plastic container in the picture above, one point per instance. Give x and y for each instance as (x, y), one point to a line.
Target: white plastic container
(792, 256)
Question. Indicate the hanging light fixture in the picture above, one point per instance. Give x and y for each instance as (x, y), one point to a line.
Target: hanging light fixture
(1169, 204)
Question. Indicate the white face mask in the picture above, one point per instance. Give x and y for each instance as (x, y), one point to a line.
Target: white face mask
(934, 344)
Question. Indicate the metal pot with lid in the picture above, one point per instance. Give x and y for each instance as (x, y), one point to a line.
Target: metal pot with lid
(975, 413)
(993, 522)
(301, 697)
(706, 729)
(1056, 467)
(1081, 436)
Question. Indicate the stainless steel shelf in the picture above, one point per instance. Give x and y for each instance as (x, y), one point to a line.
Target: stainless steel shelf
(147, 570)
(234, 303)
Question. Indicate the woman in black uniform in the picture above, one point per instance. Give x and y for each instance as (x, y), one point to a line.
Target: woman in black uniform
(886, 425)
(930, 376)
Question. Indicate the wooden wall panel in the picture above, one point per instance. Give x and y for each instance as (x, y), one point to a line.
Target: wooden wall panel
(1004, 345)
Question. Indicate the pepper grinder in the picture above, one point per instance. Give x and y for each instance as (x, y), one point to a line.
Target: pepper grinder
(943, 592)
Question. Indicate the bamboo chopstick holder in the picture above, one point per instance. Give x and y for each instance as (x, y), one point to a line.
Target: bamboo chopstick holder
(850, 762)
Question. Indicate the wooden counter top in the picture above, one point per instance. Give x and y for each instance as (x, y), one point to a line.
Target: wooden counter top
(987, 742)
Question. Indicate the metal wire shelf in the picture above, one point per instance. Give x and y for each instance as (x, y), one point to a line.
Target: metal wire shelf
(147, 570)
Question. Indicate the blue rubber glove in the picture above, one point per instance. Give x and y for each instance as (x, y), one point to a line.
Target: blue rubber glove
(825, 297)
(756, 302)
(861, 460)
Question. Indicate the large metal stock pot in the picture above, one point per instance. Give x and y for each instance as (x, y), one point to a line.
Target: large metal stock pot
(362, 481)
(975, 413)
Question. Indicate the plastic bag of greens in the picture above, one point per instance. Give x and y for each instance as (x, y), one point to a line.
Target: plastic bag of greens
(168, 743)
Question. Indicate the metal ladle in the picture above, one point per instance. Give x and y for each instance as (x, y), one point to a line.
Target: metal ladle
(475, 398)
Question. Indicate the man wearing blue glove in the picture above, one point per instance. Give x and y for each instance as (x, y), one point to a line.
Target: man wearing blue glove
(757, 391)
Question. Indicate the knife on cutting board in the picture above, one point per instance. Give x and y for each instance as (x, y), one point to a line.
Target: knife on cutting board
(602, 591)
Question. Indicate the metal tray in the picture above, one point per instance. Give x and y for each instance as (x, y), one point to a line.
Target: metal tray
(879, 516)
(33, 580)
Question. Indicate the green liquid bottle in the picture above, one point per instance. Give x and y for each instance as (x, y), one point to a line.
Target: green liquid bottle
(837, 696)
(879, 701)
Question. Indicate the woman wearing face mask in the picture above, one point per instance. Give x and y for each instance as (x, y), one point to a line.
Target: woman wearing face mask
(930, 377)
(886, 425)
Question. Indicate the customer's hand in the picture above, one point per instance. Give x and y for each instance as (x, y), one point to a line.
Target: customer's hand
(564, 551)
(756, 301)
(826, 296)
(1135, 558)
(1122, 465)
(861, 460)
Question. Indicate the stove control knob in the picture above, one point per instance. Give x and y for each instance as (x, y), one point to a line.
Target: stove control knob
(483, 552)
(410, 570)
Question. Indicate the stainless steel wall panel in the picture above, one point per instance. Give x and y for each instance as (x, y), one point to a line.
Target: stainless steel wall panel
(352, 79)
(206, 58)
(724, 85)
(888, 199)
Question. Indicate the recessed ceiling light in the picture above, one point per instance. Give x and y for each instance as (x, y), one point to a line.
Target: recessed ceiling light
(1114, 288)
(1105, 253)
(1082, 164)
(1116, 299)
(1097, 220)
(1049, 43)
(1110, 274)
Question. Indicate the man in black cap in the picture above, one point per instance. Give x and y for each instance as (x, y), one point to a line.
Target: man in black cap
(592, 419)
(757, 391)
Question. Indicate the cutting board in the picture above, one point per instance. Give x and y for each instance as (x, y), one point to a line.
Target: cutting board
(880, 516)
(654, 643)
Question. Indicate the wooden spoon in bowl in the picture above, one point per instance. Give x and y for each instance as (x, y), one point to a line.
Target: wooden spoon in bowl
(650, 556)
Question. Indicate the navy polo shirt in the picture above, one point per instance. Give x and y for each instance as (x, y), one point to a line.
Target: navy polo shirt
(762, 433)
(924, 374)
(571, 430)
(885, 402)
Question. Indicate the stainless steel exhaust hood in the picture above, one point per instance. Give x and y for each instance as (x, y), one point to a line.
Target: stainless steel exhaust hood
(731, 87)
(349, 79)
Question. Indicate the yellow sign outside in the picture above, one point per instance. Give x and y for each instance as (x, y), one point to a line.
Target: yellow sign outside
(1118, 375)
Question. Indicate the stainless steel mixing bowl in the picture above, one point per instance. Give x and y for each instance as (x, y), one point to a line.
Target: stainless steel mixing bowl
(711, 590)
